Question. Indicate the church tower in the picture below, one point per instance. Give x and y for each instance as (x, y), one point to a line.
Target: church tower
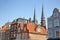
(34, 18)
(43, 18)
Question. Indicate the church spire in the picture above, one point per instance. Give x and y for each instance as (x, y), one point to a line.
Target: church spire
(34, 14)
(43, 18)
(34, 18)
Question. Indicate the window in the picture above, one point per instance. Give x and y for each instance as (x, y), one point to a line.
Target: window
(38, 29)
(56, 22)
(14, 35)
(57, 34)
(8, 38)
(18, 29)
(23, 36)
(18, 36)
(26, 35)
(50, 33)
(55, 14)
(49, 24)
(9, 26)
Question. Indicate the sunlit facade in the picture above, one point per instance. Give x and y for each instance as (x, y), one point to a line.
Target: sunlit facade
(54, 24)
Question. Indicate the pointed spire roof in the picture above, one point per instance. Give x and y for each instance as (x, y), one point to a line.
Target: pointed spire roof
(34, 13)
(43, 18)
(34, 18)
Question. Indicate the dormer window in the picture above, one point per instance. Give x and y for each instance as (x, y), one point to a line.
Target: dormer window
(56, 14)
(38, 29)
(9, 26)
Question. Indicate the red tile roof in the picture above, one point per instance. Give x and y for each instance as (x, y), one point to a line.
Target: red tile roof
(31, 28)
(4, 27)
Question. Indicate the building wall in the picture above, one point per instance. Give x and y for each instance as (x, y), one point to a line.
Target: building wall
(34, 37)
(51, 33)
(3, 35)
(53, 23)
(18, 37)
(7, 33)
(54, 20)
(38, 37)
(0, 34)
(57, 32)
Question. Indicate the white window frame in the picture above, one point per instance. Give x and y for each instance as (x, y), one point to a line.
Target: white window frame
(49, 24)
(56, 22)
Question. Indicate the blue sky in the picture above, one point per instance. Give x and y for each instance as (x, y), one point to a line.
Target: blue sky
(13, 9)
